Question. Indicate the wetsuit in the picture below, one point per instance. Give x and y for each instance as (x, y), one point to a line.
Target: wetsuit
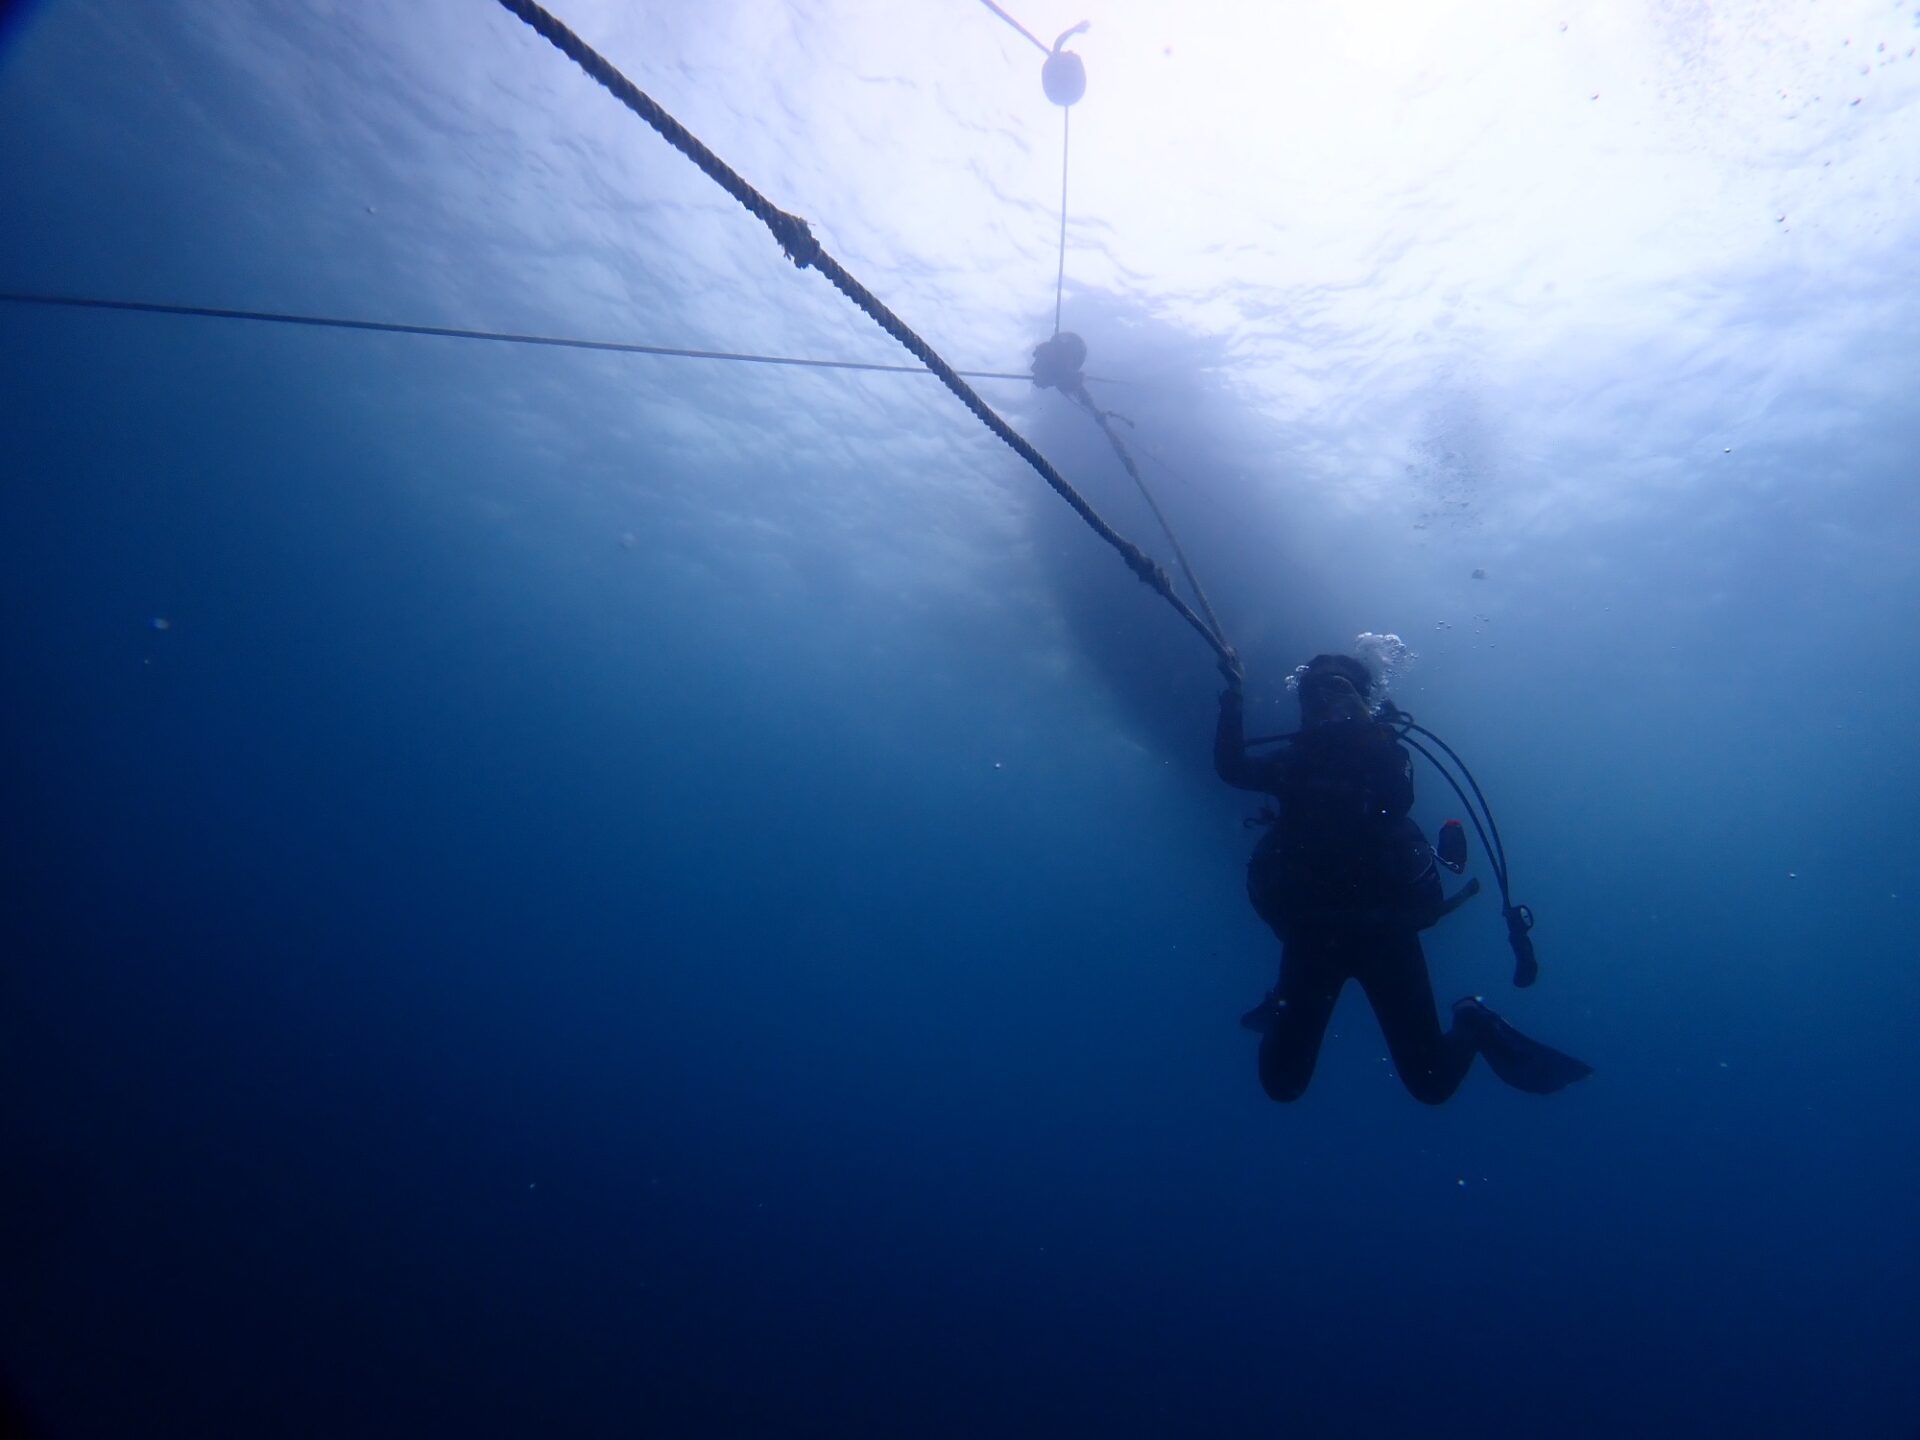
(1347, 882)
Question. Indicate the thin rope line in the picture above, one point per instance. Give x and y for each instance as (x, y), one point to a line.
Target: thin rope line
(1060, 277)
(444, 332)
(1018, 26)
(1104, 421)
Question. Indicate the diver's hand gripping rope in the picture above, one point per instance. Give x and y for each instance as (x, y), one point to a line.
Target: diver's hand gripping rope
(804, 250)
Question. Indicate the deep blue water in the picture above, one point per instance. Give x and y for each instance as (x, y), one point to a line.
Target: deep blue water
(571, 894)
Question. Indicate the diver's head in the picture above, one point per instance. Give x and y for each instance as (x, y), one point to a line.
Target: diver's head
(1334, 688)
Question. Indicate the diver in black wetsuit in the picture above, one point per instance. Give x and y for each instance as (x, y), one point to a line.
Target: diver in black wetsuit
(1348, 881)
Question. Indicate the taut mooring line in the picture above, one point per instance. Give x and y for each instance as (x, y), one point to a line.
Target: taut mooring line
(805, 251)
(445, 332)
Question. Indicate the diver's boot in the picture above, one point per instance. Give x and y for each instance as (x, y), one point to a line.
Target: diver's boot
(1523, 1063)
(1264, 1016)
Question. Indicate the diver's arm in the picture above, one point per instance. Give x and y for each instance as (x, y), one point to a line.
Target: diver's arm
(1230, 759)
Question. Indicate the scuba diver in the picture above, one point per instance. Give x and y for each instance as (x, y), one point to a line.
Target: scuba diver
(1347, 880)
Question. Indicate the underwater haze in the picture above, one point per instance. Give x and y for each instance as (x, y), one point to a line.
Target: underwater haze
(581, 893)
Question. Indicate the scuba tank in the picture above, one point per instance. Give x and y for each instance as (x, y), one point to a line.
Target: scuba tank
(1451, 846)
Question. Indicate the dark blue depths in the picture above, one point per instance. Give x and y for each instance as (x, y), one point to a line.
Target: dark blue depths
(445, 993)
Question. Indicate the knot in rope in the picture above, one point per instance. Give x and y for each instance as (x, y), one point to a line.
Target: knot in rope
(1147, 568)
(1057, 362)
(795, 237)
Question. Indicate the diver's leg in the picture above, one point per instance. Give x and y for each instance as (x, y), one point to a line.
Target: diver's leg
(1521, 1061)
(1394, 975)
(1302, 1003)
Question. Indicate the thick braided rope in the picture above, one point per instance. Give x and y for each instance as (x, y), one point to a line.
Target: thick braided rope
(801, 247)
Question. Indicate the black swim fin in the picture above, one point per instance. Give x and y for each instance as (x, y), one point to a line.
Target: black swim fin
(1523, 1063)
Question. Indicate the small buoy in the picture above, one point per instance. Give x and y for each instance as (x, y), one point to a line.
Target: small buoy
(1057, 362)
(1063, 77)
